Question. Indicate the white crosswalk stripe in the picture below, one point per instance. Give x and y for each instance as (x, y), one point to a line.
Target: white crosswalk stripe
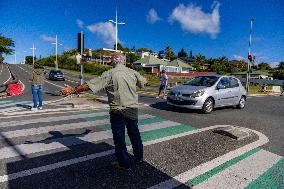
(242, 173)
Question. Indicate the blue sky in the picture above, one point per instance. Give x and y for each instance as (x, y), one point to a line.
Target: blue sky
(212, 28)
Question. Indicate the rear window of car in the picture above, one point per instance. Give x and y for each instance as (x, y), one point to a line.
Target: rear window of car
(56, 72)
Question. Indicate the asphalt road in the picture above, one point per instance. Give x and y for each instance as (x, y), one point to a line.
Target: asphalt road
(263, 114)
(51, 88)
(4, 73)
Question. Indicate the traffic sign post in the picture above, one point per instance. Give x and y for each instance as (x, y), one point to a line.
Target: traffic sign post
(79, 56)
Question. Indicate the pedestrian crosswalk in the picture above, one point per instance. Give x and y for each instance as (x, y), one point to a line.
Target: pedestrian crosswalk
(64, 145)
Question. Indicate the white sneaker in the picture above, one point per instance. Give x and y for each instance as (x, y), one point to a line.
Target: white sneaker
(157, 97)
(164, 97)
(40, 108)
(34, 109)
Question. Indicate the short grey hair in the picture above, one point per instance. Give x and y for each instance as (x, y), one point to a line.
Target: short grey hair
(118, 58)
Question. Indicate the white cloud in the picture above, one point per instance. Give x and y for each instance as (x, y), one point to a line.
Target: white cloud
(80, 23)
(152, 16)
(238, 57)
(105, 32)
(48, 38)
(194, 20)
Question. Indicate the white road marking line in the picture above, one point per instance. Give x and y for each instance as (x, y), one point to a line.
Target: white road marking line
(1, 68)
(65, 163)
(6, 101)
(54, 84)
(9, 76)
(13, 109)
(43, 112)
(63, 127)
(50, 119)
(205, 167)
(25, 149)
(242, 173)
(53, 166)
(24, 86)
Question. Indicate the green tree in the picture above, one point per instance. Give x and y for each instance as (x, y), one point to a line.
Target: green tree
(281, 66)
(263, 66)
(200, 59)
(143, 49)
(70, 52)
(131, 57)
(170, 55)
(119, 47)
(182, 54)
(242, 64)
(6, 45)
(29, 60)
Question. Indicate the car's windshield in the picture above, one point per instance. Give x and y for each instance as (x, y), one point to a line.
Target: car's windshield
(57, 72)
(207, 81)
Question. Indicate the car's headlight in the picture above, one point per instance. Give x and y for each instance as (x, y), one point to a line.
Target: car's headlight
(197, 93)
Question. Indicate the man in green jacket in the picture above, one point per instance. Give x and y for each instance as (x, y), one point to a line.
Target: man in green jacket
(120, 84)
(37, 79)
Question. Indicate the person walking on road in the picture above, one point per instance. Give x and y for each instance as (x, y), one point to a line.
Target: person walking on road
(120, 85)
(163, 85)
(37, 79)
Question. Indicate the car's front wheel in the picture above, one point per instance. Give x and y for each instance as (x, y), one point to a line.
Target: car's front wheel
(208, 106)
(242, 103)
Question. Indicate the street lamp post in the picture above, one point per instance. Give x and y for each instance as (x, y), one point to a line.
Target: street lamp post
(250, 56)
(116, 29)
(33, 53)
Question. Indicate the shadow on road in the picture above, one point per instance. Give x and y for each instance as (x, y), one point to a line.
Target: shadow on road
(52, 94)
(78, 167)
(24, 106)
(167, 107)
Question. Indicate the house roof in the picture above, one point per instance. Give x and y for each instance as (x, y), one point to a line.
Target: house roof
(150, 60)
(179, 63)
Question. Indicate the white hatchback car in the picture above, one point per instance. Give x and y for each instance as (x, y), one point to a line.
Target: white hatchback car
(208, 92)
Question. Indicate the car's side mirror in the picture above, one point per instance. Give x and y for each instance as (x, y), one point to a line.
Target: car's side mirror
(221, 87)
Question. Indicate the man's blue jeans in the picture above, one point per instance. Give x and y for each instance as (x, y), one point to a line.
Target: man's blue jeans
(118, 122)
(37, 91)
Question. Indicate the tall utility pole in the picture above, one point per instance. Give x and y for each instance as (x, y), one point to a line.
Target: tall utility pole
(250, 56)
(116, 29)
(33, 53)
(56, 47)
(24, 61)
(56, 63)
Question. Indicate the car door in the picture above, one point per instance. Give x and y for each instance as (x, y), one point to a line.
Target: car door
(224, 93)
(235, 88)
